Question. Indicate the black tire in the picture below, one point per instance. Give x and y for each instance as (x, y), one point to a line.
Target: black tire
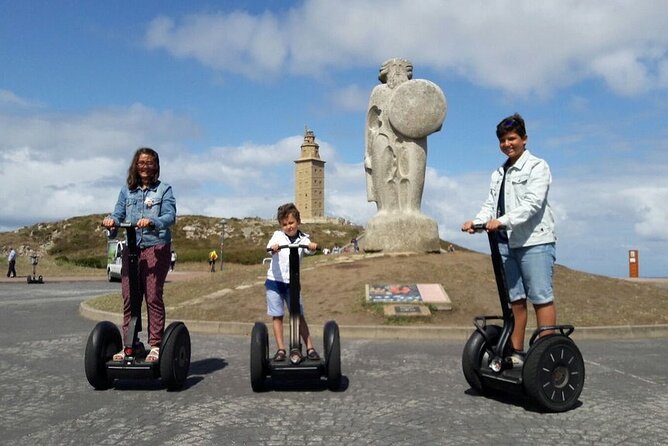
(554, 373)
(103, 342)
(29, 279)
(474, 354)
(175, 356)
(109, 278)
(259, 356)
(332, 349)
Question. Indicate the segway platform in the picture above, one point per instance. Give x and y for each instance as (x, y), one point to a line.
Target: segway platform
(262, 366)
(105, 341)
(133, 368)
(307, 367)
(553, 371)
(34, 278)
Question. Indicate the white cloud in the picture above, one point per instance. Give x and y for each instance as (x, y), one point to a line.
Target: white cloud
(601, 206)
(10, 99)
(110, 131)
(516, 46)
(237, 42)
(649, 205)
(350, 98)
(36, 189)
(623, 72)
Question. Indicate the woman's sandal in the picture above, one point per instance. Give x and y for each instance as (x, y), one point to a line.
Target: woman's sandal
(119, 356)
(153, 355)
(312, 354)
(280, 355)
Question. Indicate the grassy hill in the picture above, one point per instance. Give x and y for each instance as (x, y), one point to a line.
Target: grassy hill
(334, 286)
(82, 241)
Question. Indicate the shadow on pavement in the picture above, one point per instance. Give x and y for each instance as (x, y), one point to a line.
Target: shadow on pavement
(515, 399)
(197, 369)
(284, 384)
(206, 366)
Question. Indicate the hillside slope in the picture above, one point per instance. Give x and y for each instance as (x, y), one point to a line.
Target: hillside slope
(81, 240)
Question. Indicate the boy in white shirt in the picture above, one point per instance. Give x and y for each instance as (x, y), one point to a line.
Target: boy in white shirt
(278, 277)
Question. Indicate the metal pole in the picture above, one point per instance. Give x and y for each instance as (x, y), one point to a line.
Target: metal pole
(222, 243)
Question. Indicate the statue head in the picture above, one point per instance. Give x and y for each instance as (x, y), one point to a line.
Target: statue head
(395, 71)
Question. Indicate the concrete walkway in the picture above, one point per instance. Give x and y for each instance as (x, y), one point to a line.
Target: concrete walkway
(396, 332)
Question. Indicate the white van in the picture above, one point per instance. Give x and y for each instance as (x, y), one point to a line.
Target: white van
(114, 253)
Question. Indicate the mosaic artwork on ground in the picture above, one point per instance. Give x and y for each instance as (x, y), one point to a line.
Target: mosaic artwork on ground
(394, 293)
(421, 293)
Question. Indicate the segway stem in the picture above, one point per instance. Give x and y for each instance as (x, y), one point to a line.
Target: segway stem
(499, 349)
(132, 336)
(295, 307)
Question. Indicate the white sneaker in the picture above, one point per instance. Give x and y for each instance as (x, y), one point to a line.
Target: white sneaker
(517, 358)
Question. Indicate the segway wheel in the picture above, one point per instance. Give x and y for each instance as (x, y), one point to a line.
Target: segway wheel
(554, 373)
(175, 356)
(259, 356)
(475, 353)
(103, 342)
(332, 349)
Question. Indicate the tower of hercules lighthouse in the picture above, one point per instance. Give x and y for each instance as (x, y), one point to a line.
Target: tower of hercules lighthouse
(310, 180)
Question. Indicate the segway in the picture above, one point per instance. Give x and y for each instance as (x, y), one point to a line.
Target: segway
(296, 365)
(34, 278)
(553, 372)
(105, 340)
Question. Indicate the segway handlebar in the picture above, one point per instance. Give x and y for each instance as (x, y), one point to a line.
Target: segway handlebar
(480, 227)
(126, 224)
(291, 245)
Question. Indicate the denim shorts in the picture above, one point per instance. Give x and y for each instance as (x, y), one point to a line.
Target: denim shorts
(276, 301)
(529, 272)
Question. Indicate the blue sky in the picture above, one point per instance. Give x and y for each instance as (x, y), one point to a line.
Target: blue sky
(223, 91)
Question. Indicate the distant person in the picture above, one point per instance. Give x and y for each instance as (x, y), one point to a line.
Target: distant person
(149, 204)
(172, 262)
(11, 260)
(213, 256)
(356, 247)
(278, 277)
(518, 208)
(451, 248)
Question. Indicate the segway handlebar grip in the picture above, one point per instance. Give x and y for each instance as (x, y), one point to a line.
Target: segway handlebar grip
(480, 227)
(126, 224)
(292, 245)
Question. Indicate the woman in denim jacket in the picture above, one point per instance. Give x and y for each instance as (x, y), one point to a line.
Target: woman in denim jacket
(517, 207)
(150, 205)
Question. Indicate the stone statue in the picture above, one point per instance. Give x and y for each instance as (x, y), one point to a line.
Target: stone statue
(402, 113)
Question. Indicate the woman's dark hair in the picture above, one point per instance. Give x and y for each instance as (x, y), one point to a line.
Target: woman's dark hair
(133, 171)
(285, 210)
(514, 123)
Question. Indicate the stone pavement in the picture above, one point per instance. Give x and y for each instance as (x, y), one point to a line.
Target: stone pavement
(395, 392)
(400, 332)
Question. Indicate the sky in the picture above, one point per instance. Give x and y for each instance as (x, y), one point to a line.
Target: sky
(223, 90)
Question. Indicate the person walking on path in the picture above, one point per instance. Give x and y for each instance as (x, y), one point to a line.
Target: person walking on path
(213, 256)
(172, 262)
(11, 260)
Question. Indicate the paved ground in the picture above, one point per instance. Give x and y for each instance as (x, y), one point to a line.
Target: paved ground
(395, 392)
